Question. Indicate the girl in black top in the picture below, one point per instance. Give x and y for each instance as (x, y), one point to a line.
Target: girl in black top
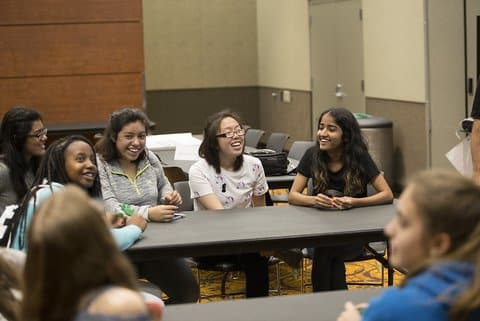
(340, 168)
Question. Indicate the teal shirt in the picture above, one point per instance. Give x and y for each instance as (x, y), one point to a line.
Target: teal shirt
(124, 237)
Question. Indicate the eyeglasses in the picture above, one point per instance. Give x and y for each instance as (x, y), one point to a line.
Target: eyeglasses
(39, 133)
(238, 132)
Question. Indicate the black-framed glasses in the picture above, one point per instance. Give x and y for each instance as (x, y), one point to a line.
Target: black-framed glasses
(39, 133)
(238, 132)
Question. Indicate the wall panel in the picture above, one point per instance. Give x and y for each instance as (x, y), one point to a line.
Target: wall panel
(70, 99)
(74, 61)
(70, 49)
(15, 12)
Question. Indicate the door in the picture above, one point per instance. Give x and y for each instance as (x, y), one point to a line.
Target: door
(473, 48)
(336, 48)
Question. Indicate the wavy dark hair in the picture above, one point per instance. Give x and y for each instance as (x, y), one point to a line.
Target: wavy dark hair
(354, 150)
(106, 146)
(71, 252)
(14, 130)
(52, 170)
(209, 146)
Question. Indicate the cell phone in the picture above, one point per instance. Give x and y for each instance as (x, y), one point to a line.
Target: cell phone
(177, 216)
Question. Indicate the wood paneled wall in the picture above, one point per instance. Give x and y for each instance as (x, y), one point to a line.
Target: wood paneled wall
(74, 61)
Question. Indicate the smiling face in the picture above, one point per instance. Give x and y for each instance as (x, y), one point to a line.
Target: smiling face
(130, 141)
(80, 164)
(410, 244)
(36, 140)
(230, 148)
(329, 134)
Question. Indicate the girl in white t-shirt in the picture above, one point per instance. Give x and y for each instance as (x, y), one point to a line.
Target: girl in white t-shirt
(225, 178)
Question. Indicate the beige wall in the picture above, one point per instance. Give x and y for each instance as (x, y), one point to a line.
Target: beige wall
(200, 43)
(202, 56)
(447, 77)
(283, 44)
(394, 49)
(410, 71)
(226, 43)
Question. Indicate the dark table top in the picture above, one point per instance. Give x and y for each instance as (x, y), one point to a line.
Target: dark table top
(325, 306)
(262, 228)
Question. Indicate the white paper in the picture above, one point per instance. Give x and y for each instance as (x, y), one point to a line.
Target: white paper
(169, 140)
(461, 157)
(187, 152)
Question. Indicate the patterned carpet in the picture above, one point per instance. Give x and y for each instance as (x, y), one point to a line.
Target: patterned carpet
(290, 280)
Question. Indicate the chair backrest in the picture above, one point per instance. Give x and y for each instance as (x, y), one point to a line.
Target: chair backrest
(174, 174)
(253, 136)
(183, 189)
(277, 141)
(299, 147)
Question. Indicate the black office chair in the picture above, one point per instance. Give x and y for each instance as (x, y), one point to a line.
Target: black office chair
(253, 136)
(277, 141)
(226, 268)
(296, 152)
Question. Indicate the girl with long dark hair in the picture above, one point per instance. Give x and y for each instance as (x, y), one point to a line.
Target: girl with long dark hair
(340, 169)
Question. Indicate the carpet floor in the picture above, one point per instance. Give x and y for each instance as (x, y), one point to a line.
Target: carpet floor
(290, 280)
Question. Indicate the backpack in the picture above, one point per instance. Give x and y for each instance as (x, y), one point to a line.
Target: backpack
(273, 163)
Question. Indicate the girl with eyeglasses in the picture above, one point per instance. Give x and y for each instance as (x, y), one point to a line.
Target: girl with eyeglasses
(132, 177)
(226, 178)
(22, 144)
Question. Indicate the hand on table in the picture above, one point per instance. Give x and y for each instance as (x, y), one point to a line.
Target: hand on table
(173, 198)
(342, 203)
(137, 220)
(162, 213)
(323, 201)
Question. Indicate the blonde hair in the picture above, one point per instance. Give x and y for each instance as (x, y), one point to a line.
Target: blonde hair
(450, 203)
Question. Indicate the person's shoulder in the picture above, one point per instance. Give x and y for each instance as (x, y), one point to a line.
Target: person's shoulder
(249, 159)
(118, 300)
(401, 303)
(100, 159)
(152, 157)
(200, 165)
(310, 151)
(391, 305)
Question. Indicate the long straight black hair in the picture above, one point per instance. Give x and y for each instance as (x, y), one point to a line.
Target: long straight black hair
(14, 130)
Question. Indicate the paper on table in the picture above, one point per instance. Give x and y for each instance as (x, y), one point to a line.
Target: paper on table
(187, 152)
(169, 141)
(461, 157)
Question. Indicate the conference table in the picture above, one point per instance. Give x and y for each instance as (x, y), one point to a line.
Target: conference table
(324, 306)
(242, 230)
